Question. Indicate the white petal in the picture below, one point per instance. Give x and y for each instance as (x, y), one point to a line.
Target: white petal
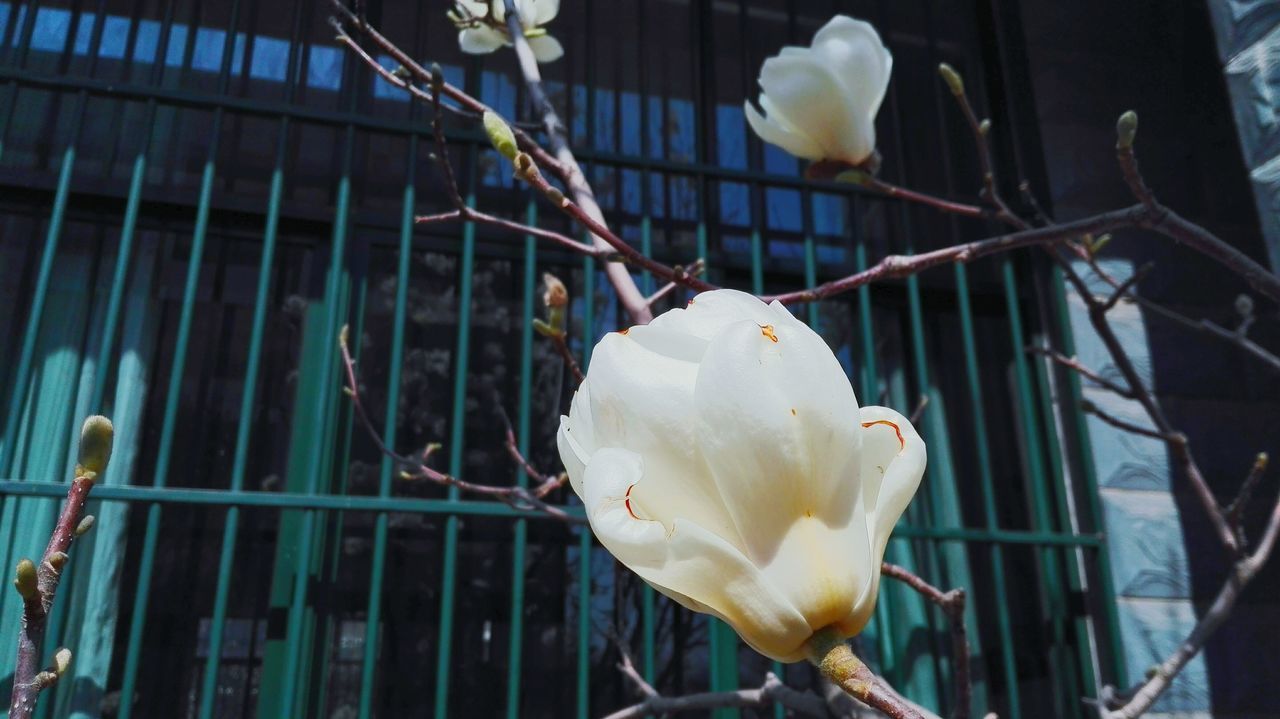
(710, 312)
(852, 48)
(806, 93)
(893, 462)
(480, 40)
(826, 572)
(778, 424)
(572, 455)
(642, 400)
(475, 8)
(688, 561)
(541, 12)
(546, 48)
(774, 133)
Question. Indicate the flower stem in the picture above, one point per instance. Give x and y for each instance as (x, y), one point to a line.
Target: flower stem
(837, 662)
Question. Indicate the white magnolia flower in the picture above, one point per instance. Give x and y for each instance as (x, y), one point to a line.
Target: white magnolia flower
(722, 456)
(820, 102)
(483, 29)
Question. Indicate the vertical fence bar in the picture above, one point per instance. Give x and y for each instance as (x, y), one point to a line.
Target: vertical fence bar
(457, 434)
(1041, 513)
(584, 534)
(378, 561)
(1093, 496)
(297, 635)
(226, 558)
(146, 563)
(18, 58)
(986, 482)
(647, 598)
(515, 647)
(209, 683)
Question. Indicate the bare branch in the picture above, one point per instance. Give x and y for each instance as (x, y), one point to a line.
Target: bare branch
(417, 469)
(38, 583)
(1242, 572)
(897, 266)
(698, 268)
(952, 604)
(628, 294)
(771, 691)
(1074, 364)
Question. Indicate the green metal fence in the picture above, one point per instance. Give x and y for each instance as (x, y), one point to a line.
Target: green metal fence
(196, 197)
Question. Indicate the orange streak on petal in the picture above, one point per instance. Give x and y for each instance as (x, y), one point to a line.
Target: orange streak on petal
(767, 331)
(628, 502)
(901, 442)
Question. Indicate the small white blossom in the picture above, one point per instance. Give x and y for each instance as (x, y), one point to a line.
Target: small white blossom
(483, 27)
(820, 102)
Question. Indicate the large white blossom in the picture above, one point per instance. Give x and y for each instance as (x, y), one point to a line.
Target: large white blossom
(722, 456)
(820, 102)
(483, 29)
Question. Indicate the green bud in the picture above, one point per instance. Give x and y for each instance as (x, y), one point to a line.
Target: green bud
(855, 177)
(85, 525)
(25, 580)
(1126, 129)
(437, 79)
(500, 135)
(952, 78)
(61, 661)
(58, 560)
(985, 126)
(95, 446)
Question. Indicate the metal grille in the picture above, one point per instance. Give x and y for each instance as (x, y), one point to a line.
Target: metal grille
(196, 196)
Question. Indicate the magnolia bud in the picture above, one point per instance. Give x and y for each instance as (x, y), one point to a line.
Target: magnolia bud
(504, 141)
(1126, 129)
(95, 446)
(61, 661)
(952, 78)
(85, 525)
(25, 580)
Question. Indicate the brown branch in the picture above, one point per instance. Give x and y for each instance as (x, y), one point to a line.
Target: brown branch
(38, 584)
(952, 604)
(1093, 409)
(698, 268)
(547, 483)
(897, 266)
(420, 74)
(1074, 364)
(629, 295)
(1243, 571)
(527, 169)
(980, 130)
(1178, 443)
(770, 692)
(417, 469)
(837, 662)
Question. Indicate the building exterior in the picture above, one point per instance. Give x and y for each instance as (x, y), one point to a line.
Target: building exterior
(195, 197)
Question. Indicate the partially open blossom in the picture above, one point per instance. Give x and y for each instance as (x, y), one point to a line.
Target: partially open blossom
(482, 26)
(820, 102)
(721, 455)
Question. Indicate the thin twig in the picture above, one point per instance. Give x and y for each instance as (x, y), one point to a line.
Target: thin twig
(1093, 409)
(629, 295)
(770, 692)
(1074, 364)
(1178, 443)
(38, 583)
(1241, 574)
(952, 604)
(897, 266)
(415, 469)
(698, 268)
